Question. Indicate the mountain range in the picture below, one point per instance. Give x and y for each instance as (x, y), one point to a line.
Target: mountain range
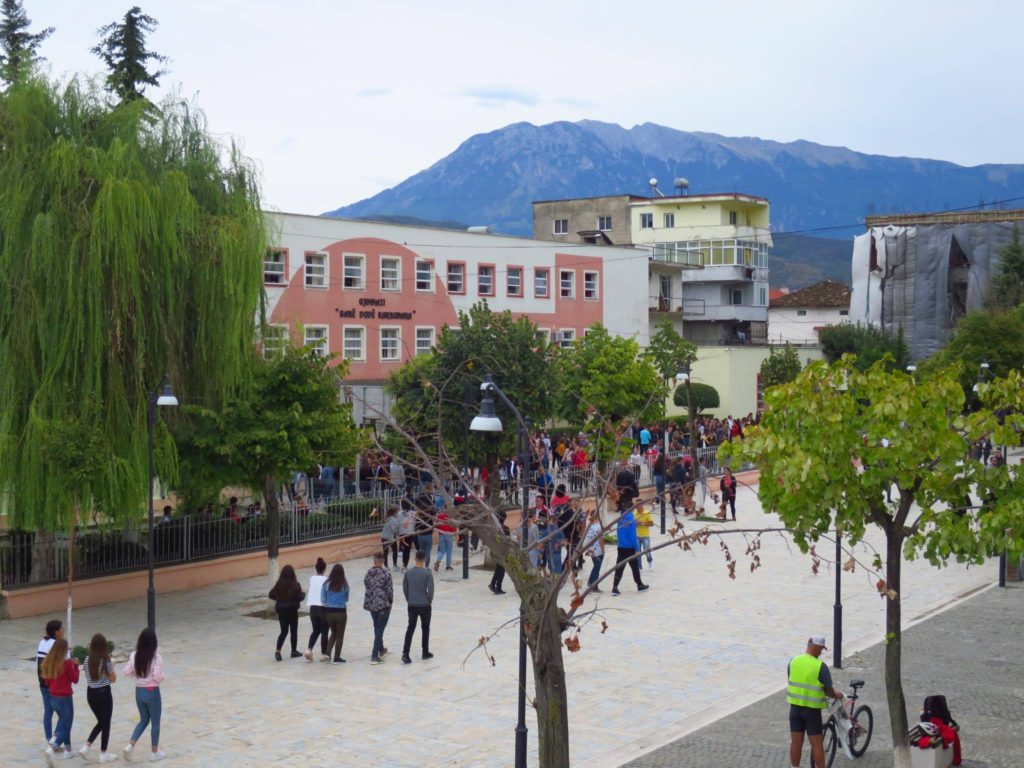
(492, 178)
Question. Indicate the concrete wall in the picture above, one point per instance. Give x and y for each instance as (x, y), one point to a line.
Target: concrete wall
(582, 215)
(786, 324)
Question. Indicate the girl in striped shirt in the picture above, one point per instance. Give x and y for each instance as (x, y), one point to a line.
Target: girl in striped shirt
(99, 674)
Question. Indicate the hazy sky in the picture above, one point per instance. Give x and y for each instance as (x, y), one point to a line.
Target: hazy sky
(339, 100)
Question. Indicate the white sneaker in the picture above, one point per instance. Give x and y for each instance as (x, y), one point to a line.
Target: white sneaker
(156, 756)
(66, 755)
(84, 752)
(107, 757)
(48, 755)
(126, 753)
(651, 565)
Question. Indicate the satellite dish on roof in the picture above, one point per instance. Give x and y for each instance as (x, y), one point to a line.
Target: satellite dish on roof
(654, 188)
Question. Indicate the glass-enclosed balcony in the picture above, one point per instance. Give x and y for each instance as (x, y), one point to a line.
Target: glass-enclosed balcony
(712, 253)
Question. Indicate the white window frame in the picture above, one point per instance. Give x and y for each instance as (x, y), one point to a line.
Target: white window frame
(322, 347)
(282, 274)
(646, 221)
(508, 281)
(560, 226)
(433, 339)
(448, 277)
(276, 341)
(669, 220)
(566, 337)
(430, 275)
(362, 271)
(362, 343)
(604, 223)
(397, 287)
(546, 271)
(572, 284)
(489, 271)
(398, 343)
(732, 297)
(544, 334)
(324, 276)
(734, 218)
(595, 291)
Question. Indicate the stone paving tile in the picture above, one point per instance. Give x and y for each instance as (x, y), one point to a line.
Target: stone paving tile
(969, 653)
(695, 643)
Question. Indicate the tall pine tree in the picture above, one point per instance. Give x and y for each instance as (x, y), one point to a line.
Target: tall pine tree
(1007, 291)
(122, 48)
(18, 46)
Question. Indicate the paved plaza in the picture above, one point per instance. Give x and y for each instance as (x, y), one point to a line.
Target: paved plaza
(694, 648)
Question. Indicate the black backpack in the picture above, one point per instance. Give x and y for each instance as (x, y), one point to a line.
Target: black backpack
(935, 706)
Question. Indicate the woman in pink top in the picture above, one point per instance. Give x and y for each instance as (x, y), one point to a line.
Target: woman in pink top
(147, 667)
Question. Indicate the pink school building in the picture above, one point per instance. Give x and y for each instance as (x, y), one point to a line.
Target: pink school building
(378, 294)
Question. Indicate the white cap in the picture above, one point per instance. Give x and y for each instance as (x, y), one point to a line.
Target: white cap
(818, 640)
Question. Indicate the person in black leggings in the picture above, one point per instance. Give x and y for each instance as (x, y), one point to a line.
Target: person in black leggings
(317, 617)
(287, 596)
(99, 674)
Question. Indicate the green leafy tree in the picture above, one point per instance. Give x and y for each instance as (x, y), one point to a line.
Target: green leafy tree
(18, 47)
(288, 420)
(130, 249)
(780, 367)
(122, 48)
(1007, 289)
(607, 380)
(993, 336)
(831, 444)
(430, 390)
(670, 352)
(704, 396)
(866, 343)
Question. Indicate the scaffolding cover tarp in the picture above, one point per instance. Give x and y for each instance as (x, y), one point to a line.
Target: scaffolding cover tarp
(923, 278)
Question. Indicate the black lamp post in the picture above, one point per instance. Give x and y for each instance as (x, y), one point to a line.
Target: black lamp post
(164, 398)
(837, 609)
(488, 421)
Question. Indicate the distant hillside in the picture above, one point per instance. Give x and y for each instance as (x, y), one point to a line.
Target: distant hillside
(797, 261)
(492, 178)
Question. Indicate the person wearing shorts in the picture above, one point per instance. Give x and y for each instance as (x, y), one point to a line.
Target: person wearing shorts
(810, 682)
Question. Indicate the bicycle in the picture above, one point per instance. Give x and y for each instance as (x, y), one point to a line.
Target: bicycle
(862, 726)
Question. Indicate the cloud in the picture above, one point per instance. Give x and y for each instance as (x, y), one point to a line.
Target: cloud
(376, 91)
(285, 143)
(499, 97)
(568, 102)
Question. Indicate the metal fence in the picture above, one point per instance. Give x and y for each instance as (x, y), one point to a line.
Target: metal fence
(27, 559)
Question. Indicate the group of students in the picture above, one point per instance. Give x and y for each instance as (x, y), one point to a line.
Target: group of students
(327, 599)
(59, 672)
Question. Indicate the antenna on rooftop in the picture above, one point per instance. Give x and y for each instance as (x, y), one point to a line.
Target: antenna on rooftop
(682, 186)
(654, 188)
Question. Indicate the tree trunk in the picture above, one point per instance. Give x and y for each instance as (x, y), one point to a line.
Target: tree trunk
(550, 698)
(893, 650)
(270, 488)
(44, 557)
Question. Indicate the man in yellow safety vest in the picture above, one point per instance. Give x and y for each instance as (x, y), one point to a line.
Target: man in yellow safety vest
(809, 683)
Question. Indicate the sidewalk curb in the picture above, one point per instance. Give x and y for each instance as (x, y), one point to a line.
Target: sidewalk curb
(744, 698)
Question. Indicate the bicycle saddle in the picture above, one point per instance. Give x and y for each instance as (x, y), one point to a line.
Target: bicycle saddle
(856, 683)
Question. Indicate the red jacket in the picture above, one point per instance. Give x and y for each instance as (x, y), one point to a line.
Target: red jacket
(61, 685)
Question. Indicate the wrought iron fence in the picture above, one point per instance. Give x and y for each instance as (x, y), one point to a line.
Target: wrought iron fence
(26, 558)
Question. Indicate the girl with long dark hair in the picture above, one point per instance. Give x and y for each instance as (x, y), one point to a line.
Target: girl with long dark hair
(147, 667)
(334, 596)
(99, 674)
(60, 673)
(316, 611)
(287, 596)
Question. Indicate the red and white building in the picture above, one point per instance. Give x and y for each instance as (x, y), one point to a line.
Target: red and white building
(377, 294)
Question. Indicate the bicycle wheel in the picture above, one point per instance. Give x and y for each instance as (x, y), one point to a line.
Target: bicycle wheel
(863, 727)
(830, 741)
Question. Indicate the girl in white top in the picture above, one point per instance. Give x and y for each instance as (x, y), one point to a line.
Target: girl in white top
(316, 611)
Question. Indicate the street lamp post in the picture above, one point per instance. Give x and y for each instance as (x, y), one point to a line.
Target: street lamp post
(488, 421)
(837, 610)
(163, 398)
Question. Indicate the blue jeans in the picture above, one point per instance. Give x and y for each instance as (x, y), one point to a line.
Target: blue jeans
(380, 621)
(445, 545)
(659, 484)
(148, 702)
(553, 552)
(643, 544)
(64, 706)
(424, 544)
(595, 571)
(47, 713)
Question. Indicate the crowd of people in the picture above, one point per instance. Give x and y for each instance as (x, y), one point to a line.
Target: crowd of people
(58, 672)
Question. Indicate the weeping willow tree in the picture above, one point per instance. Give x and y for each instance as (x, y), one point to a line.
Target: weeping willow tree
(130, 245)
